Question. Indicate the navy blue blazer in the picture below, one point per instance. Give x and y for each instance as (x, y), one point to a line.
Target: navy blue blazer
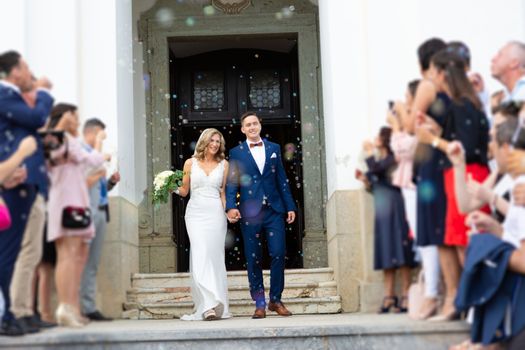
(497, 294)
(245, 178)
(18, 120)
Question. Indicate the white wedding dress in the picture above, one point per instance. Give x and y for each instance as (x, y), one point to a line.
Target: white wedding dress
(207, 224)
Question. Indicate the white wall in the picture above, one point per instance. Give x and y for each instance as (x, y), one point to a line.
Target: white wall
(368, 50)
(85, 48)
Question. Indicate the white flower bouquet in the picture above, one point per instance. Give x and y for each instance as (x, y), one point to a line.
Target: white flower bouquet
(164, 183)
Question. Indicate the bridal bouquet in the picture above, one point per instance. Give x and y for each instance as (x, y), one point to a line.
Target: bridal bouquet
(164, 183)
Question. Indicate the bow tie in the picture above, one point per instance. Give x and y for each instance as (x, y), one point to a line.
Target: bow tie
(256, 144)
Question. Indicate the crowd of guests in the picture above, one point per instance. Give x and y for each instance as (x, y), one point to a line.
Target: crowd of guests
(450, 165)
(53, 205)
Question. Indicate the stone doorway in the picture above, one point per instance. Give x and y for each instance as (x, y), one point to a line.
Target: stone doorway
(254, 28)
(212, 89)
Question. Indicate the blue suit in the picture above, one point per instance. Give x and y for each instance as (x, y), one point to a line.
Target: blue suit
(264, 201)
(18, 120)
(497, 294)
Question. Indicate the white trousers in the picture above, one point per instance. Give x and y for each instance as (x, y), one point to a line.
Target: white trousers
(429, 254)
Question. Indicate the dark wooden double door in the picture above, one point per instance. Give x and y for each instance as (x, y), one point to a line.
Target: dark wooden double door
(213, 90)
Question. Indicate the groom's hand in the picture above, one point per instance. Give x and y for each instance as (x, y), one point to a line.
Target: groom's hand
(234, 215)
(291, 217)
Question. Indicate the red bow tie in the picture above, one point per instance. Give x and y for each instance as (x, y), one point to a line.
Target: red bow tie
(257, 144)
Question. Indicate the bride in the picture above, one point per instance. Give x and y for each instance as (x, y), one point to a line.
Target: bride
(205, 177)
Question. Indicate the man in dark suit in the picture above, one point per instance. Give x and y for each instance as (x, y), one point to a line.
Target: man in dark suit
(18, 120)
(257, 174)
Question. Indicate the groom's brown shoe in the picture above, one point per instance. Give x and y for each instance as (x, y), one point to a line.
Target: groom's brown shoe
(260, 312)
(279, 308)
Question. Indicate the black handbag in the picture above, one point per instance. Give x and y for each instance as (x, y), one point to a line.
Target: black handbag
(76, 217)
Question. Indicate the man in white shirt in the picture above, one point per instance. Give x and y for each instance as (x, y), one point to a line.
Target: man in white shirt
(508, 67)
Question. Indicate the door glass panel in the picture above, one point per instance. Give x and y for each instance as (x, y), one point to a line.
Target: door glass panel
(208, 90)
(265, 89)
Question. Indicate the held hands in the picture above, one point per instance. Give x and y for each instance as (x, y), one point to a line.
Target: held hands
(291, 217)
(233, 215)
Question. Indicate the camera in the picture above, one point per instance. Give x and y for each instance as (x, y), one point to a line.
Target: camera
(51, 141)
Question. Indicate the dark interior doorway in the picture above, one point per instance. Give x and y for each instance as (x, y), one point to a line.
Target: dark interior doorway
(212, 89)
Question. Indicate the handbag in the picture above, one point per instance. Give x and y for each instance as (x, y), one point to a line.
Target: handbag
(76, 217)
(416, 296)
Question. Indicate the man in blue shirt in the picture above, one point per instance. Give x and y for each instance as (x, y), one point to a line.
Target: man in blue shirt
(99, 187)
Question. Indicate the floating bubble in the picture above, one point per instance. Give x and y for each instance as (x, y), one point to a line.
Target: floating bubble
(190, 21)
(427, 191)
(246, 180)
(208, 10)
(165, 17)
(167, 96)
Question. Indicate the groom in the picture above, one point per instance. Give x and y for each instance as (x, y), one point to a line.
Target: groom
(257, 173)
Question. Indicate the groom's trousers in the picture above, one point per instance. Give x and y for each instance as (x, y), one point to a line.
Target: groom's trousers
(271, 224)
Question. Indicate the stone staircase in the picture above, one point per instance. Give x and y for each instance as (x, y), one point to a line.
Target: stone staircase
(167, 295)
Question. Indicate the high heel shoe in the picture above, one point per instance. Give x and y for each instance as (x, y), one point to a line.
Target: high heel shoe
(210, 315)
(389, 302)
(430, 307)
(403, 305)
(450, 315)
(67, 317)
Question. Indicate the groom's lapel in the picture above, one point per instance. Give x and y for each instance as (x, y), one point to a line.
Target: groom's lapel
(249, 156)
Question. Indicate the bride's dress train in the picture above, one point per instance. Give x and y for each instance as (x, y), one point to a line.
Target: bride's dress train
(207, 224)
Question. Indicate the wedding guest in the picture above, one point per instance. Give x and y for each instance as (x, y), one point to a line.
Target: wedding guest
(467, 123)
(99, 186)
(428, 177)
(69, 190)
(45, 271)
(392, 244)
(19, 120)
(509, 135)
(26, 148)
(508, 66)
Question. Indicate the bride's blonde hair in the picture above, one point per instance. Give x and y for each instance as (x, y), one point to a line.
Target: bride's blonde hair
(204, 140)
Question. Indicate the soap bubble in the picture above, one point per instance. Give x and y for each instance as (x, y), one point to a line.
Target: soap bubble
(165, 17)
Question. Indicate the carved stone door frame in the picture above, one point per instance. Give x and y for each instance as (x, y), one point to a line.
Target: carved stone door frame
(157, 221)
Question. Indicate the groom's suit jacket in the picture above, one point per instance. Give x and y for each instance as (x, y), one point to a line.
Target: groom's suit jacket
(270, 187)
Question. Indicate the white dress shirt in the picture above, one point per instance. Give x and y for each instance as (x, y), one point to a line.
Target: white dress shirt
(518, 93)
(258, 154)
(10, 85)
(514, 224)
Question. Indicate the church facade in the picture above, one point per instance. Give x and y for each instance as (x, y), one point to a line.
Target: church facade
(318, 72)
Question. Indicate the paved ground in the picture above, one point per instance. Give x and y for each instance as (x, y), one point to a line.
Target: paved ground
(239, 327)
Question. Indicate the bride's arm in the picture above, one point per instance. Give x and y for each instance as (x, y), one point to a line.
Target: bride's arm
(185, 188)
(224, 180)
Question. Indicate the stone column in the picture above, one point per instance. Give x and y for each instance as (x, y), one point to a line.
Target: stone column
(346, 108)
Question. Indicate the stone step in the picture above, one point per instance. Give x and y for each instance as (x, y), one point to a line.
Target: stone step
(235, 278)
(299, 306)
(176, 294)
(341, 331)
